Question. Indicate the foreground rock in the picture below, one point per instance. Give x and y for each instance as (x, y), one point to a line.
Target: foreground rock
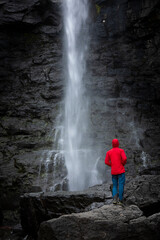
(39, 207)
(107, 222)
(142, 191)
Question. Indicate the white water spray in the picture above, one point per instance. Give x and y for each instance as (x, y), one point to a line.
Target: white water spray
(78, 156)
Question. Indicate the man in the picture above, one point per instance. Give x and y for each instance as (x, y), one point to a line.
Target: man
(116, 159)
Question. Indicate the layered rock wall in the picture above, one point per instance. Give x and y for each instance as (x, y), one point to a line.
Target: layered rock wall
(31, 88)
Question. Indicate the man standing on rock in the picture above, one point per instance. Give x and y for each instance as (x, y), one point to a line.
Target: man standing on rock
(116, 159)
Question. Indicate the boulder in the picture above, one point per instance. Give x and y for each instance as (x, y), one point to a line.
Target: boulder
(107, 222)
(39, 207)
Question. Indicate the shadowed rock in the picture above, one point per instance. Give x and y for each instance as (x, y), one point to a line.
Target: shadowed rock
(39, 207)
(144, 192)
(107, 222)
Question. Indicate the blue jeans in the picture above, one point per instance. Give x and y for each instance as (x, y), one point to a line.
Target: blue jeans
(118, 179)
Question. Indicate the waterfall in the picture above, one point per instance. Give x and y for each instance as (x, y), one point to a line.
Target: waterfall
(78, 156)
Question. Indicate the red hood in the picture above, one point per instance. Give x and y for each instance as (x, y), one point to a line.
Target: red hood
(115, 143)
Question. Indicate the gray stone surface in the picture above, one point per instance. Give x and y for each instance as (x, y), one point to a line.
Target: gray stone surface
(39, 207)
(107, 222)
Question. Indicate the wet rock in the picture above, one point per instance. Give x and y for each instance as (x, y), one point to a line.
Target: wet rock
(29, 173)
(107, 222)
(39, 207)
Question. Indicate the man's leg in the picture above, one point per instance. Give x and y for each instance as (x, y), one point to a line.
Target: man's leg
(121, 178)
(115, 185)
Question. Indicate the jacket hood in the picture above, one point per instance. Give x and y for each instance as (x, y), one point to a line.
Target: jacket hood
(115, 143)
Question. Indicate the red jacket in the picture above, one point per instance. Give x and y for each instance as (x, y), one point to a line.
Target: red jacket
(116, 158)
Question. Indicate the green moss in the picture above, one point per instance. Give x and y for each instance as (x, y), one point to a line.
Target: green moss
(98, 8)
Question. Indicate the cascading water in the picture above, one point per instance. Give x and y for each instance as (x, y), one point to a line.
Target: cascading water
(79, 158)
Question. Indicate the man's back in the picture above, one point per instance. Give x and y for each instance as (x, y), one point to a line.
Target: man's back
(116, 158)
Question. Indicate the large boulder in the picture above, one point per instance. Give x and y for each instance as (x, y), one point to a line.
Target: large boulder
(39, 207)
(107, 222)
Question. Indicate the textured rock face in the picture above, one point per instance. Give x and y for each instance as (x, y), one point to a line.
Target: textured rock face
(31, 91)
(144, 192)
(107, 222)
(124, 81)
(29, 12)
(122, 84)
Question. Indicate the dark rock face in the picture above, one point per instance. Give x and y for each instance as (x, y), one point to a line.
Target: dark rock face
(124, 67)
(31, 91)
(27, 12)
(144, 192)
(107, 222)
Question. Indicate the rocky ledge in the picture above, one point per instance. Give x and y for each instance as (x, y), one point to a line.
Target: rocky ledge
(39, 207)
(91, 214)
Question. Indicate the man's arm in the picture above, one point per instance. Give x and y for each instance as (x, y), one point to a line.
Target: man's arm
(107, 159)
(123, 156)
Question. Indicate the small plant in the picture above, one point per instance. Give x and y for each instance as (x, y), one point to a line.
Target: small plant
(98, 8)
